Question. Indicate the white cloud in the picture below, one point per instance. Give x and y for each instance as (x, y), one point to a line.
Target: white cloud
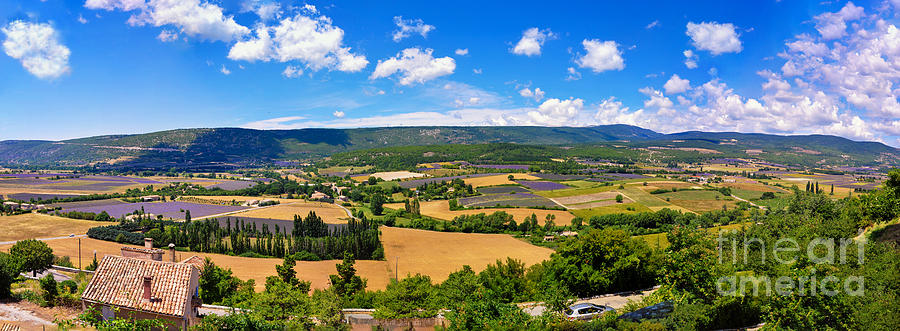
(611, 111)
(194, 18)
(406, 28)
(834, 25)
(556, 112)
(601, 56)
(266, 10)
(572, 74)
(167, 36)
(677, 85)
(714, 37)
(652, 25)
(37, 47)
(225, 71)
(81, 19)
(690, 59)
(292, 72)
(124, 5)
(537, 94)
(414, 65)
(313, 41)
(532, 41)
(462, 51)
(476, 71)
(657, 99)
(338, 114)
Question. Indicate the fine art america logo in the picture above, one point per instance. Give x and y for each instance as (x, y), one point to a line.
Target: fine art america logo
(820, 253)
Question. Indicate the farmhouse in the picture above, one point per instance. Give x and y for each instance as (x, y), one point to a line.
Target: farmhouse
(11, 205)
(318, 196)
(145, 287)
(150, 198)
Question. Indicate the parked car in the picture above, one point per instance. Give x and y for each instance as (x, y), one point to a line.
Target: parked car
(586, 311)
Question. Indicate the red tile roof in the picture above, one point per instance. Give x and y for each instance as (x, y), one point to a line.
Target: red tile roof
(196, 261)
(118, 281)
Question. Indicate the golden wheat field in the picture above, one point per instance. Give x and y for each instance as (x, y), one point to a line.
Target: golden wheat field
(441, 209)
(437, 254)
(329, 212)
(243, 267)
(28, 226)
(501, 179)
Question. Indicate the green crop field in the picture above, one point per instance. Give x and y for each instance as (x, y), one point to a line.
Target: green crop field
(612, 209)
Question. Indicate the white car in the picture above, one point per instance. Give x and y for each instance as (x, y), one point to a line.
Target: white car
(586, 311)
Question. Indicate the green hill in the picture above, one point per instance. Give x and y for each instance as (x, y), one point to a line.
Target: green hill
(229, 147)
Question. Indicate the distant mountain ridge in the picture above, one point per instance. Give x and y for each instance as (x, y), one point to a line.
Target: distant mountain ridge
(195, 147)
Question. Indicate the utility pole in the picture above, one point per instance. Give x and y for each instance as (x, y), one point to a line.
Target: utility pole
(79, 254)
(396, 270)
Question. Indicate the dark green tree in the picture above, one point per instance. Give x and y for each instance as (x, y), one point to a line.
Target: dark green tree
(33, 255)
(346, 283)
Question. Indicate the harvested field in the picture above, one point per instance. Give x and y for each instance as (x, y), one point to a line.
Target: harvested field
(29, 226)
(239, 198)
(390, 175)
(577, 199)
(501, 179)
(515, 200)
(634, 192)
(437, 254)
(329, 212)
(440, 209)
(619, 208)
(376, 272)
(419, 182)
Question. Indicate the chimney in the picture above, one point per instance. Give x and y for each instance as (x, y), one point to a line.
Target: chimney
(148, 243)
(172, 249)
(147, 282)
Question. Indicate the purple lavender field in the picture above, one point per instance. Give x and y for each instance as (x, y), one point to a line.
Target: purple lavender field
(171, 209)
(541, 185)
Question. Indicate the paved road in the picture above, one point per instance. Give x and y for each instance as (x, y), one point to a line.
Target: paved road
(615, 301)
(752, 204)
(44, 239)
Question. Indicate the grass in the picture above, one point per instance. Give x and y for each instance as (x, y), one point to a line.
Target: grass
(286, 211)
(29, 226)
(440, 209)
(621, 208)
(580, 183)
(636, 193)
(660, 241)
(437, 254)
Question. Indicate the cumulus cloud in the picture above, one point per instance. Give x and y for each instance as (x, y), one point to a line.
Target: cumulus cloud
(537, 94)
(834, 25)
(676, 85)
(37, 47)
(690, 59)
(406, 28)
(532, 41)
(462, 51)
(225, 71)
(714, 37)
(338, 114)
(414, 65)
(313, 41)
(601, 56)
(572, 74)
(194, 18)
(556, 112)
(81, 19)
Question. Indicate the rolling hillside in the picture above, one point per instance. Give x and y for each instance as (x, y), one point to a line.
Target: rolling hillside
(229, 147)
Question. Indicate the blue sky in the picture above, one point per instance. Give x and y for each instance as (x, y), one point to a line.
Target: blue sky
(82, 68)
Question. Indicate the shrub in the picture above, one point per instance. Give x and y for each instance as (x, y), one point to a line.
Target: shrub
(69, 286)
(51, 291)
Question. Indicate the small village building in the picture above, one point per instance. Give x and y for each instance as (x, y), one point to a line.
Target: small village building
(150, 198)
(318, 196)
(142, 286)
(11, 205)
